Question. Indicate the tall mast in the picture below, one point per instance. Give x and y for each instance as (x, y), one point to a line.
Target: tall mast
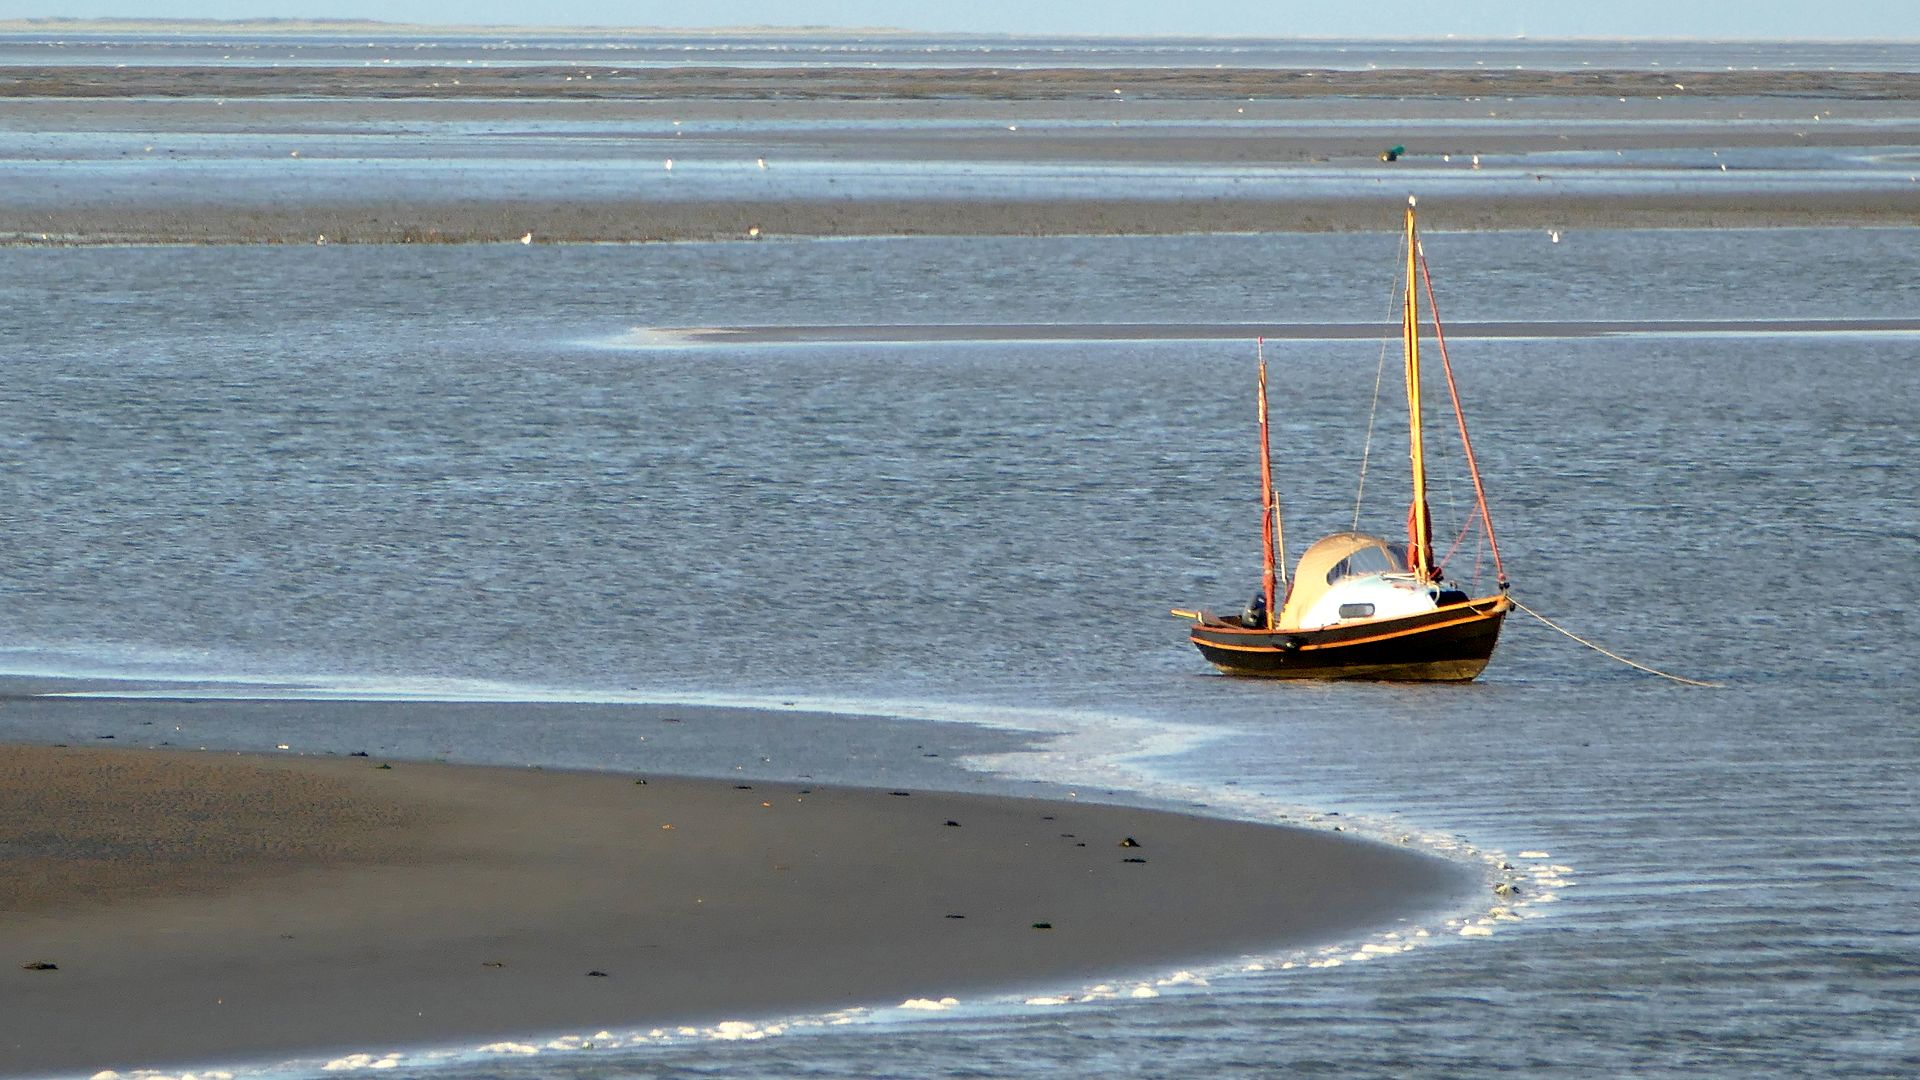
(1266, 492)
(1419, 528)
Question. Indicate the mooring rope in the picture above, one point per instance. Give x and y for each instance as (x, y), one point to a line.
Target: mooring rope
(1616, 656)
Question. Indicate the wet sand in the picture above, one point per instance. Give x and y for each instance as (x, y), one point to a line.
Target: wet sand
(1304, 124)
(205, 908)
(1325, 331)
(921, 83)
(483, 218)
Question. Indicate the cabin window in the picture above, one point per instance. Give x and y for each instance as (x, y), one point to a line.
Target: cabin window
(1356, 611)
(1370, 560)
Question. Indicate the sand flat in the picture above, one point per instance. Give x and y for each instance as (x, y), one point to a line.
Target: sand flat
(357, 155)
(299, 906)
(567, 81)
(1296, 331)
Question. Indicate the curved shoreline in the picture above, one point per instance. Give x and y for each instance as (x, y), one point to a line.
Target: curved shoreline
(205, 907)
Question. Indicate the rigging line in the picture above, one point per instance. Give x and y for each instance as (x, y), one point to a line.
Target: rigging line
(1366, 449)
(1442, 478)
(1379, 375)
(1466, 444)
(1458, 540)
(1616, 656)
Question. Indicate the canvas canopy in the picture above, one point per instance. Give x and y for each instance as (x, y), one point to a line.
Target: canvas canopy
(1340, 555)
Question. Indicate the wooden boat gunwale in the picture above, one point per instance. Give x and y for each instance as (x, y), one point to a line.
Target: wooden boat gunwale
(1359, 631)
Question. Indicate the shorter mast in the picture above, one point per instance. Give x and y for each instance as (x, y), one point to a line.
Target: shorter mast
(1267, 507)
(1419, 527)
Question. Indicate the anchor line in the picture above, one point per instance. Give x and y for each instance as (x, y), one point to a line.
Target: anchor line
(1612, 655)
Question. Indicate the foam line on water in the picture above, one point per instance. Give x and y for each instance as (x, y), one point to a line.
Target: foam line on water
(1154, 738)
(1251, 973)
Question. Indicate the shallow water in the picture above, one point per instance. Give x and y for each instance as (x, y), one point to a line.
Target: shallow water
(453, 470)
(240, 161)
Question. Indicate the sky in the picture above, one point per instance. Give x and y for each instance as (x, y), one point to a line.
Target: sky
(1883, 19)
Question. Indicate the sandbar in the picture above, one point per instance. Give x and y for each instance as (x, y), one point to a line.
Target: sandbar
(306, 155)
(206, 908)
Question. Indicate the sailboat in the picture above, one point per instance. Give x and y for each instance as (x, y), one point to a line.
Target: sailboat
(1360, 606)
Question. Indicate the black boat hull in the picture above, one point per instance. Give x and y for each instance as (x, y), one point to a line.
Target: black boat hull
(1449, 644)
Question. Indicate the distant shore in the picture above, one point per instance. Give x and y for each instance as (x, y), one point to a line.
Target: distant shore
(205, 908)
(145, 154)
(611, 82)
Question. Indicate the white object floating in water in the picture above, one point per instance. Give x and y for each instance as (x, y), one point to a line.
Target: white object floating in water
(1554, 235)
(350, 1063)
(527, 238)
(762, 162)
(669, 164)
